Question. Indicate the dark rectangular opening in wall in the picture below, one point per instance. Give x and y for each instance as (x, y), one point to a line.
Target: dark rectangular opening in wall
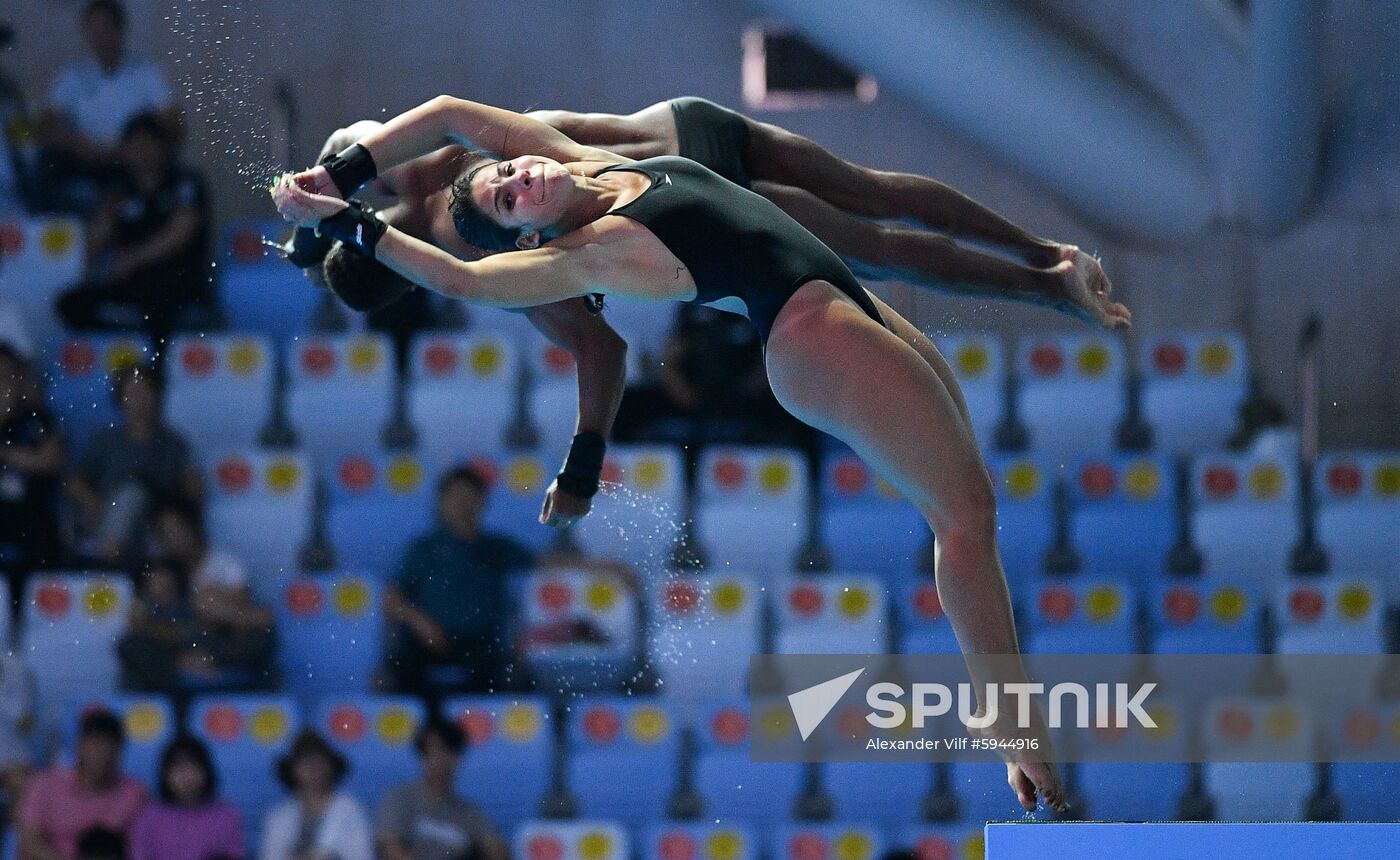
(782, 71)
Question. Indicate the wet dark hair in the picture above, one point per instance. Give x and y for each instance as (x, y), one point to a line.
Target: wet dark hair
(311, 743)
(446, 731)
(114, 10)
(362, 282)
(99, 843)
(473, 225)
(188, 748)
(468, 474)
(102, 723)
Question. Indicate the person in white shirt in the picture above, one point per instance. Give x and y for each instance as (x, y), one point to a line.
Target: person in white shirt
(94, 98)
(319, 821)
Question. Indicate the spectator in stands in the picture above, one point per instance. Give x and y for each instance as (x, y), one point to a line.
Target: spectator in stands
(31, 460)
(148, 245)
(189, 822)
(15, 182)
(234, 633)
(160, 633)
(428, 820)
(63, 803)
(319, 822)
(101, 843)
(18, 723)
(449, 595)
(92, 101)
(125, 467)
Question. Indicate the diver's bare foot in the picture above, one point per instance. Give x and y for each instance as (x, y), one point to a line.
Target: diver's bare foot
(1030, 764)
(1085, 291)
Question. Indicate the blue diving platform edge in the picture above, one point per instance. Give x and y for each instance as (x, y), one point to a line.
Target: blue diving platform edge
(1191, 840)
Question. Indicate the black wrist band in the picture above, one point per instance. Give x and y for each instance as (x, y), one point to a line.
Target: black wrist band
(356, 226)
(584, 465)
(350, 169)
(305, 249)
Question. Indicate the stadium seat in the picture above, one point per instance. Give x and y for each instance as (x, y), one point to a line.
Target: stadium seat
(1211, 615)
(924, 626)
(580, 629)
(246, 736)
(623, 758)
(340, 394)
(376, 734)
(1127, 790)
(702, 632)
(979, 362)
(510, 735)
(553, 398)
(1245, 516)
(1083, 615)
(1193, 386)
(43, 256)
(1367, 761)
(1333, 614)
(377, 504)
(887, 793)
(1025, 515)
(866, 525)
(79, 381)
(830, 614)
(72, 624)
(1358, 515)
(220, 391)
(637, 517)
(1124, 516)
(150, 724)
(698, 841)
(572, 840)
(734, 790)
(330, 633)
(1236, 730)
(752, 509)
(945, 841)
(518, 482)
(1072, 395)
(262, 292)
(462, 395)
(845, 841)
(260, 510)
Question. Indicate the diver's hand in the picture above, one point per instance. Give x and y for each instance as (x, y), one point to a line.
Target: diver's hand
(561, 509)
(317, 180)
(302, 207)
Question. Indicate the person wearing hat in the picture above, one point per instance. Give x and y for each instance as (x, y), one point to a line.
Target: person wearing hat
(319, 821)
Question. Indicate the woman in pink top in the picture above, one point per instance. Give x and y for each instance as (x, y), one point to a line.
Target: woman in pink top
(189, 822)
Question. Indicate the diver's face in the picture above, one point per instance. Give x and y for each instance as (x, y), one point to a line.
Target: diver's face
(527, 193)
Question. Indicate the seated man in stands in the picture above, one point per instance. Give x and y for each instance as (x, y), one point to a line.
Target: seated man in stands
(234, 633)
(148, 246)
(64, 803)
(125, 467)
(450, 595)
(428, 819)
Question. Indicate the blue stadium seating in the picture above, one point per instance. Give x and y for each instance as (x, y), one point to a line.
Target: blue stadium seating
(1245, 517)
(376, 734)
(845, 841)
(830, 614)
(623, 759)
(735, 791)
(1123, 791)
(259, 508)
(509, 735)
(1214, 615)
(572, 840)
(702, 631)
(246, 735)
(944, 841)
(557, 602)
(751, 508)
(462, 395)
(261, 292)
(1025, 514)
(1236, 734)
(1193, 386)
(72, 623)
(1124, 519)
(865, 524)
(1083, 615)
(1367, 764)
(78, 378)
(220, 391)
(637, 517)
(1358, 514)
(924, 626)
(340, 394)
(150, 724)
(377, 504)
(42, 257)
(979, 363)
(553, 396)
(519, 481)
(1072, 396)
(888, 793)
(692, 841)
(329, 635)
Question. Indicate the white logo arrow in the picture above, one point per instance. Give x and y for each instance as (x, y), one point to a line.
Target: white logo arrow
(810, 706)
